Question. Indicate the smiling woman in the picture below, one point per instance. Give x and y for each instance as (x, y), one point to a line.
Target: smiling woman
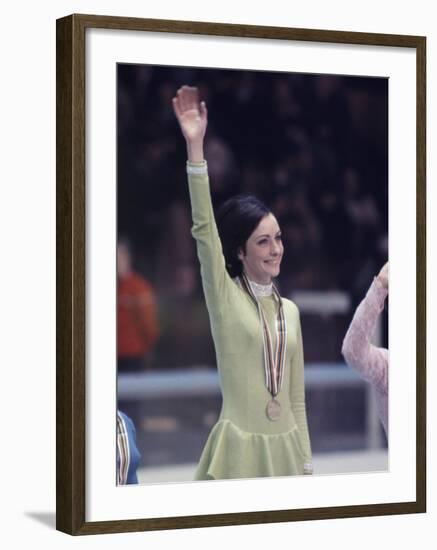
(250, 238)
(262, 429)
(263, 252)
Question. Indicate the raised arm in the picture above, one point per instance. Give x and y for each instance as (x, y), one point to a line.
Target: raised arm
(192, 117)
(369, 361)
(193, 120)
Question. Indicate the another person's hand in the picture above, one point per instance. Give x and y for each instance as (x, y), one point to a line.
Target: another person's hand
(383, 276)
(191, 114)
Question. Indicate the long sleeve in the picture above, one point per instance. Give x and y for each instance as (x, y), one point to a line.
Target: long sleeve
(297, 398)
(215, 279)
(368, 360)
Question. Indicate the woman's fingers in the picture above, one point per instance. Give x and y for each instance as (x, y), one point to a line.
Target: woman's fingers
(188, 98)
(203, 110)
(182, 99)
(193, 98)
(190, 113)
(383, 275)
(176, 108)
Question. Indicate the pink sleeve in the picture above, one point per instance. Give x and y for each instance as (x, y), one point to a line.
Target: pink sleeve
(368, 360)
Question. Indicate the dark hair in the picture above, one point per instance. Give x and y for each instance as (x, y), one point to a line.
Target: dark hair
(237, 218)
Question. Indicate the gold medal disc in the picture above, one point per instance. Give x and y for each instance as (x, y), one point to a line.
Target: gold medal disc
(273, 410)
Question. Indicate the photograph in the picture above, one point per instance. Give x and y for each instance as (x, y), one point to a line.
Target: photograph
(252, 274)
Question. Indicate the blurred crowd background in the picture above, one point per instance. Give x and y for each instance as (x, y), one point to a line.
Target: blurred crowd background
(314, 148)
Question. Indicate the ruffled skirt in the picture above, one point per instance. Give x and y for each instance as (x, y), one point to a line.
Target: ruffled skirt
(232, 453)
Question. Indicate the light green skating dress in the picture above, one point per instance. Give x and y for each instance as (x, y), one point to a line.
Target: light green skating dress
(245, 443)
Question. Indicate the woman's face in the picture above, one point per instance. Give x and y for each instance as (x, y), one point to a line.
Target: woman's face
(264, 250)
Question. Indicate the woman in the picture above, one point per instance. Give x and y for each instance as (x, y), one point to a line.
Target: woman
(369, 361)
(262, 429)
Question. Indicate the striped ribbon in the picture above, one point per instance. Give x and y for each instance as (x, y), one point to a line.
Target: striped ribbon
(123, 451)
(273, 363)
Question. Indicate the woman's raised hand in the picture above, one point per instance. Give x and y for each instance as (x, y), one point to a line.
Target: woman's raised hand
(383, 275)
(191, 114)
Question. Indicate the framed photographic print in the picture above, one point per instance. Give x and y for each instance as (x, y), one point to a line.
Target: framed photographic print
(190, 391)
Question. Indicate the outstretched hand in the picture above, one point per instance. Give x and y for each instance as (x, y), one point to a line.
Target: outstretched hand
(191, 114)
(383, 275)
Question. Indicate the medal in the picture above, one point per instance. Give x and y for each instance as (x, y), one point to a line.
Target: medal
(273, 409)
(273, 363)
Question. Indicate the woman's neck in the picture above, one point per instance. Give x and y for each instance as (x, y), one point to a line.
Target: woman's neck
(261, 289)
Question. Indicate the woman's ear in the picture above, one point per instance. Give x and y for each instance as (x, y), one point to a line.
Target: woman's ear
(240, 254)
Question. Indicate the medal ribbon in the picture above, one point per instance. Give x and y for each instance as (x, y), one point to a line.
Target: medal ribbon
(273, 364)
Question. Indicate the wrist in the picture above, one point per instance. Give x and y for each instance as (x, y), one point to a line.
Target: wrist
(195, 151)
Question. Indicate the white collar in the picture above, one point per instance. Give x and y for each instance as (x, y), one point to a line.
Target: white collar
(257, 288)
(261, 290)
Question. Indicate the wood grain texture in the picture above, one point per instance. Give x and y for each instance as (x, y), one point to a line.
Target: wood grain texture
(421, 276)
(247, 31)
(70, 277)
(64, 447)
(71, 272)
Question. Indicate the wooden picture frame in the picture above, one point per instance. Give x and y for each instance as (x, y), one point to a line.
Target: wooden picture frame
(71, 407)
